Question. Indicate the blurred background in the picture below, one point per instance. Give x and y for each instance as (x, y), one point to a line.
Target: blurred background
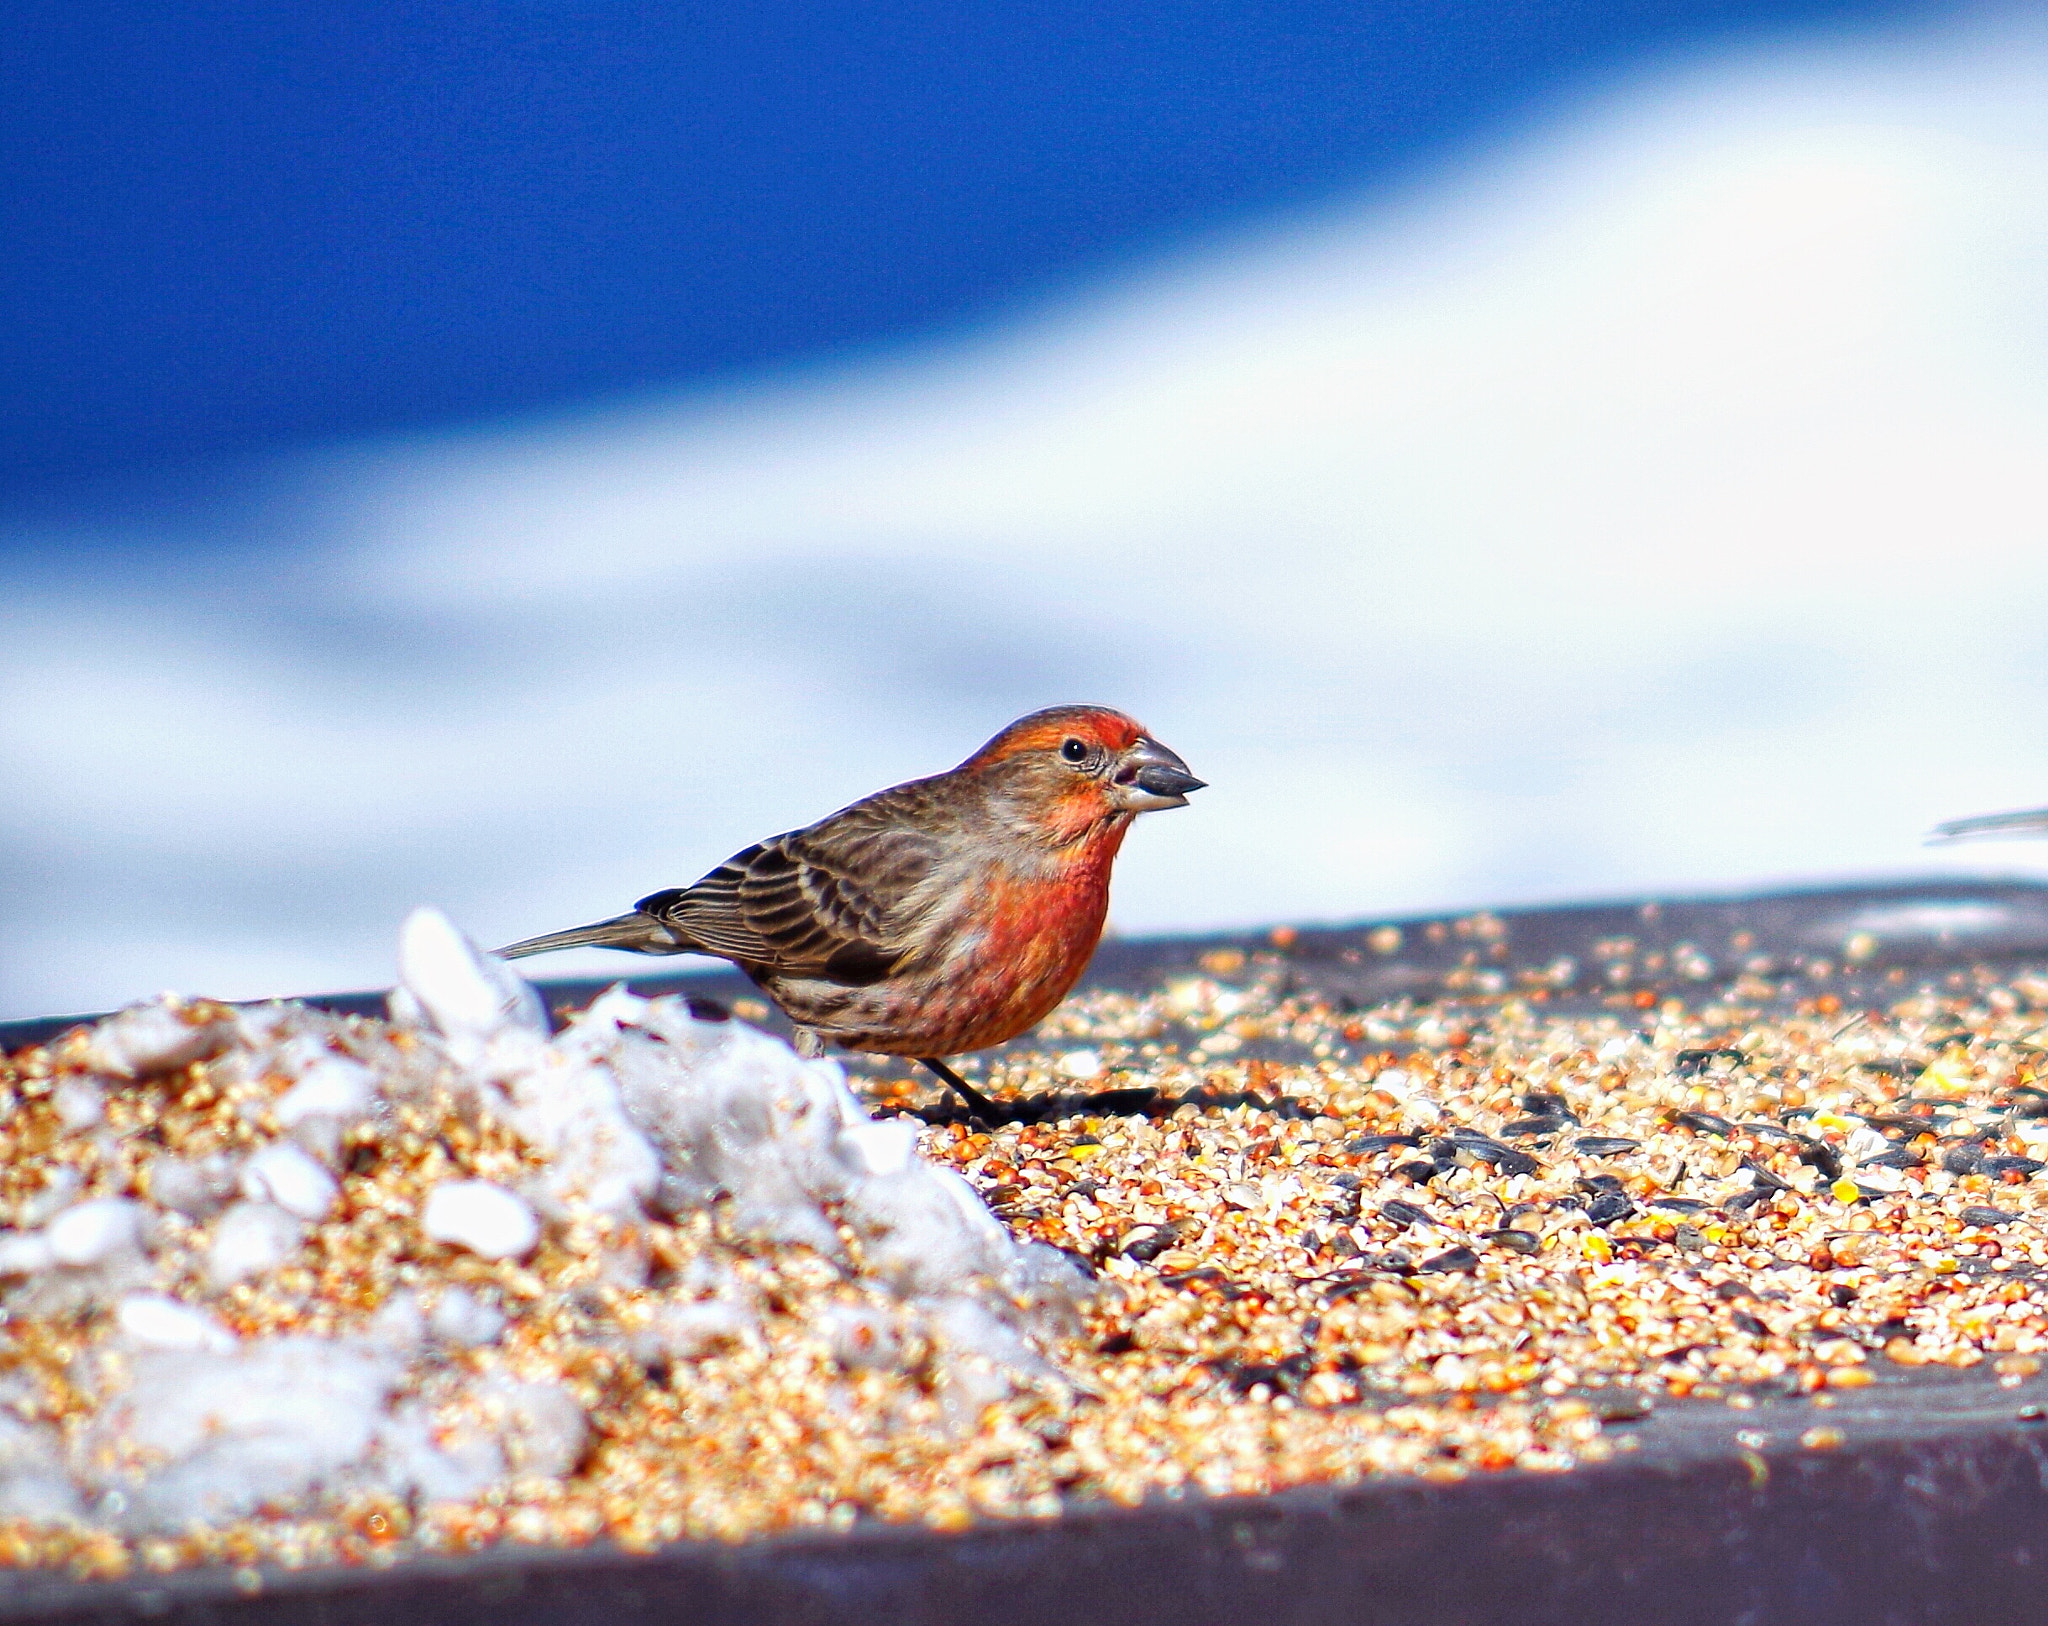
(511, 457)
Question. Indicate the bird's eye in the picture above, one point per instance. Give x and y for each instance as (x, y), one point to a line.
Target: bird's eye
(1074, 751)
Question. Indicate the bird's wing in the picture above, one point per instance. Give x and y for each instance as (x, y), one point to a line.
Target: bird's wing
(835, 900)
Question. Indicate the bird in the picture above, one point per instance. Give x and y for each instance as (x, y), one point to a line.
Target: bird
(937, 917)
(2030, 822)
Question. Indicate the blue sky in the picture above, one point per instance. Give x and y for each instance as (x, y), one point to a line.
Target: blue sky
(1630, 480)
(244, 228)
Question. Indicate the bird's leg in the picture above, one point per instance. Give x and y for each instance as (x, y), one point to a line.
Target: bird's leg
(979, 1105)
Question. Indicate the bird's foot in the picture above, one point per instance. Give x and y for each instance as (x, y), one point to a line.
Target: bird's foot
(979, 1107)
(991, 1114)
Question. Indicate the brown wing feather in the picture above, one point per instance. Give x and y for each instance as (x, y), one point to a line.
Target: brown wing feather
(834, 900)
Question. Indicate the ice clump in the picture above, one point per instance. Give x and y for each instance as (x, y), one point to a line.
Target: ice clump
(85, 1256)
(460, 1317)
(444, 984)
(94, 1232)
(33, 1481)
(80, 1103)
(251, 1238)
(736, 1112)
(332, 1096)
(153, 1321)
(486, 1219)
(549, 1091)
(638, 1114)
(194, 1187)
(285, 1175)
(198, 1436)
(159, 1037)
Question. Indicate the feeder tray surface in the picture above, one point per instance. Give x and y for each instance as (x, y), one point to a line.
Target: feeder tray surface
(1862, 1480)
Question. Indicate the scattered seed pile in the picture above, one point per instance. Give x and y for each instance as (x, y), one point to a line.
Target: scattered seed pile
(291, 1288)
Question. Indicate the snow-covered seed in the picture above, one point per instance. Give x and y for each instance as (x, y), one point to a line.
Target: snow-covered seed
(483, 1217)
(89, 1233)
(283, 1174)
(153, 1321)
(249, 1239)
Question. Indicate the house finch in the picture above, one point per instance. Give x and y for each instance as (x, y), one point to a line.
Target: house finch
(940, 916)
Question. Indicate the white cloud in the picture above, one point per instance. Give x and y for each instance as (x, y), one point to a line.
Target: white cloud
(1658, 504)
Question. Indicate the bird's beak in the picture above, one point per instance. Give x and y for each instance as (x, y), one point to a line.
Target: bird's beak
(1151, 777)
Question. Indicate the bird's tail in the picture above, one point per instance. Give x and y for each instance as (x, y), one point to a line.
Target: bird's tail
(2031, 821)
(639, 933)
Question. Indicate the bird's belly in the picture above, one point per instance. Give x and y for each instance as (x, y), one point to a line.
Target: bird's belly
(1000, 981)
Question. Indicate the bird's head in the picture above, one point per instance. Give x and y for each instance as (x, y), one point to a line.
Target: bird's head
(1084, 765)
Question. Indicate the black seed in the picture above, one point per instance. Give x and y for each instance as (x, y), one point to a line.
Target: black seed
(1749, 1324)
(1706, 1123)
(1963, 1159)
(1460, 1258)
(2000, 1164)
(1841, 1295)
(1891, 1068)
(1243, 1379)
(1691, 1063)
(1478, 1147)
(1405, 1213)
(1762, 1177)
(1604, 1145)
(1148, 1242)
(1900, 1158)
(1678, 1205)
(1988, 1217)
(1421, 1173)
(1608, 1206)
(1117, 1343)
(1518, 1241)
(1523, 1127)
(1818, 1154)
(1905, 1124)
(1547, 1104)
(1379, 1143)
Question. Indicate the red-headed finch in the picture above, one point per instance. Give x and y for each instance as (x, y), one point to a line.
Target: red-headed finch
(939, 916)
